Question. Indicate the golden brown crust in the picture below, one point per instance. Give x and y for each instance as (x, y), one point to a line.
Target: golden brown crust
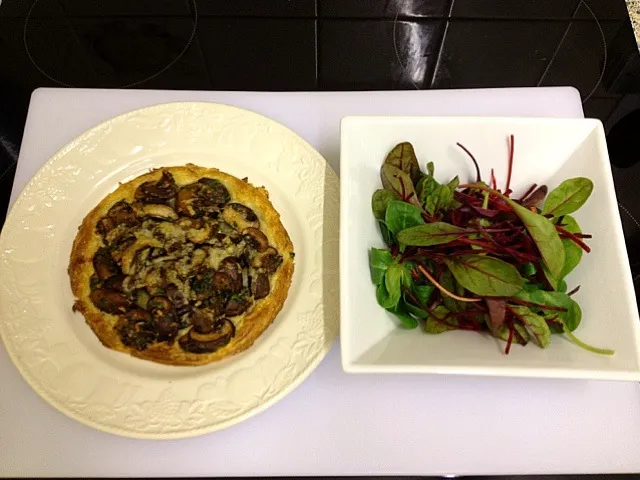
(249, 326)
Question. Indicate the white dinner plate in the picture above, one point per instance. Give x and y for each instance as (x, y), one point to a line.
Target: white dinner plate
(63, 360)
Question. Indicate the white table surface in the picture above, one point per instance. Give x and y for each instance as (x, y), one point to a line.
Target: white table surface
(333, 424)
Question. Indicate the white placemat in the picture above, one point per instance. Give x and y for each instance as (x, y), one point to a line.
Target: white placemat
(333, 424)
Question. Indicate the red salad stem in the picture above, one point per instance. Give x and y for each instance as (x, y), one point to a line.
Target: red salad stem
(509, 341)
(444, 290)
(575, 290)
(473, 159)
(571, 236)
(511, 142)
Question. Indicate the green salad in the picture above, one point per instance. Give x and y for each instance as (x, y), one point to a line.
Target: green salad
(471, 257)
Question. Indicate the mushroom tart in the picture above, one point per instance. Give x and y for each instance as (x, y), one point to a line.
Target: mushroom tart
(183, 266)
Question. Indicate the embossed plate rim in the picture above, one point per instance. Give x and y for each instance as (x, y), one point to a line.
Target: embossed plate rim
(298, 329)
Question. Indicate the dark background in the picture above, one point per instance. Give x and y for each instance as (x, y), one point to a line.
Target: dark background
(281, 45)
(315, 45)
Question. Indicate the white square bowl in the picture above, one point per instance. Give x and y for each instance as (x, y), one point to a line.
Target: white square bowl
(547, 151)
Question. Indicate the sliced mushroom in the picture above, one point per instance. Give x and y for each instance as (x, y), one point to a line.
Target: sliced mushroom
(200, 235)
(159, 211)
(159, 305)
(187, 223)
(224, 230)
(269, 260)
(129, 255)
(206, 196)
(175, 295)
(222, 282)
(198, 257)
(157, 252)
(203, 321)
(231, 267)
(195, 342)
(94, 281)
(183, 310)
(138, 315)
(216, 193)
(217, 303)
(105, 225)
(177, 298)
(244, 260)
(157, 192)
(121, 245)
(120, 216)
(153, 281)
(187, 201)
(256, 239)
(165, 322)
(142, 298)
(115, 283)
(134, 329)
(110, 301)
(260, 286)
(169, 232)
(167, 328)
(122, 213)
(175, 247)
(104, 265)
(237, 305)
(240, 216)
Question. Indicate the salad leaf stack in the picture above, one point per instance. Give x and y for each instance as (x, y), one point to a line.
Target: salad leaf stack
(470, 257)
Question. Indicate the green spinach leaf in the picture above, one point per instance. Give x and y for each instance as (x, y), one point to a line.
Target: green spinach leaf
(432, 195)
(380, 200)
(394, 304)
(404, 315)
(536, 325)
(448, 282)
(379, 260)
(439, 322)
(572, 251)
(423, 292)
(388, 237)
(528, 270)
(453, 183)
(568, 197)
(385, 298)
(562, 286)
(544, 235)
(503, 334)
(395, 278)
(399, 182)
(553, 281)
(403, 157)
(533, 294)
(440, 199)
(400, 216)
(435, 233)
(573, 316)
(413, 309)
(485, 276)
